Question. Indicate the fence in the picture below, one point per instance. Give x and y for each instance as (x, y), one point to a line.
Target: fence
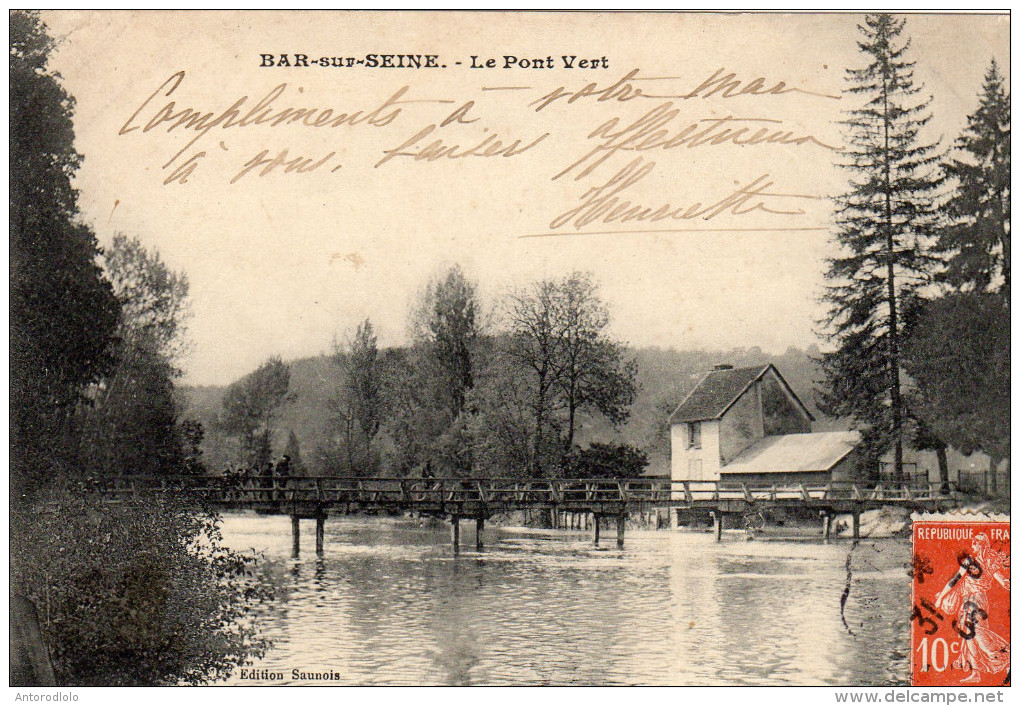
(911, 475)
(984, 483)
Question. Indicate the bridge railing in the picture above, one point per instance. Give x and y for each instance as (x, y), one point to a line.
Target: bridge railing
(236, 490)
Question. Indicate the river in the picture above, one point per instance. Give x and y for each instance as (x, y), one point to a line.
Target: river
(389, 603)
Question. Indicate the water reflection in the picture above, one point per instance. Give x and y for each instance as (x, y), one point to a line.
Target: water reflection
(389, 603)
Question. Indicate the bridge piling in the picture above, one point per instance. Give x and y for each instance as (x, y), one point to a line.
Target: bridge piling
(320, 534)
(857, 523)
(717, 525)
(479, 528)
(595, 523)
(455, 527)
(295, 530)
(826, 525)
(621, 529)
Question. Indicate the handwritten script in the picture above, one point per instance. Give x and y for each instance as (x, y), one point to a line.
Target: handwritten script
(611, 131)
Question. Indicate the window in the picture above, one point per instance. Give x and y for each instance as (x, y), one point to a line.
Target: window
(694, 435)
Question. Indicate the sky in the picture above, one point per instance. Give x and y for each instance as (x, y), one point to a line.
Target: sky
(283, 261)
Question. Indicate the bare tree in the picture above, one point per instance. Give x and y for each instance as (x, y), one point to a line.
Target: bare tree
(537, 344)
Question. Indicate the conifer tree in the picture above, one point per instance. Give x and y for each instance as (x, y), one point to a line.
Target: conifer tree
(885, 225)
(957, 345)
(977, 241)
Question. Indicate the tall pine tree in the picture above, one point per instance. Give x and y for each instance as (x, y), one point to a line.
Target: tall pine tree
(885, 223)
(957, 345)
(977, 241)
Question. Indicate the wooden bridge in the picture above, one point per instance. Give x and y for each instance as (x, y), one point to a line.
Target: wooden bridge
(479, 499)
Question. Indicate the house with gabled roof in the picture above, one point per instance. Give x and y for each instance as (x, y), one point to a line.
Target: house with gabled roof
(746, 425)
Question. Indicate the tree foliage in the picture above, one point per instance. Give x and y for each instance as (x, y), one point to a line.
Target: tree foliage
(503, 427)
(886, 224)
(62, 310)
(133, 422)
(358, 403)
(250, 408)
(594, 376)
(558, 337)
(446, 326)
(153, 298)
(537, 344)
(139, 594)
(132, 593)
(976, 242)
(605, 461)
(957, 343)
(958, 357)
(413, 419)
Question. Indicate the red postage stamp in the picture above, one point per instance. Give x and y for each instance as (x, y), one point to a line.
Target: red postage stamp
(960, 613)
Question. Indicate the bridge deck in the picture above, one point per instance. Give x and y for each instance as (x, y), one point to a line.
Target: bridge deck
(480, 498)
(483, 497)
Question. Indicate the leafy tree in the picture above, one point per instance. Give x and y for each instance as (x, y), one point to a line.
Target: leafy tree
(358, 404)
(605, 461)
(594, 375)
(153, 298)
(250, 406)
(413, 420)
(446, 326)
(957, 345)
(958, 357)
(192, 435)
(62, 311)
(558, 337)
(977, 241)
(132, 425)
(537, 343)
(134, 593)
(503, 426)
(885, 225)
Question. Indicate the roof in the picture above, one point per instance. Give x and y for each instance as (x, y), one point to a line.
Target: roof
(720, 389)
(716, 392)
(794, 453)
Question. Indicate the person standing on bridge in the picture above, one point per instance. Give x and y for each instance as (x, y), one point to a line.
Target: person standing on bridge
(282, 473)
(264, 471)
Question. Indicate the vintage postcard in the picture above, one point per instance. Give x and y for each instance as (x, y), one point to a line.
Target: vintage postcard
(509, 348)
